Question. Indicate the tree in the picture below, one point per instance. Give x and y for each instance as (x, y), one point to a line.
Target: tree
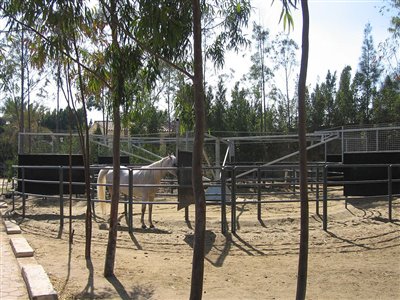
(386, 106)
(218, 110)
(328, 90)
(344, 101)
(367, 77)
(284, 56)
(389, 48)
(316, 113)
(239, 112)
(196, 291)
(259, 72)
(304, 231)
(236, 14)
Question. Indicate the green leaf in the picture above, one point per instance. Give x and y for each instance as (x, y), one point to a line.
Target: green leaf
(238, 8)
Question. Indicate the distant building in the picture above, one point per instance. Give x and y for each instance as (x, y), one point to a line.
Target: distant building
(105, 128)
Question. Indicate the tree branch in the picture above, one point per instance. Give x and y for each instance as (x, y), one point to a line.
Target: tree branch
(151, 52)
(61, 50)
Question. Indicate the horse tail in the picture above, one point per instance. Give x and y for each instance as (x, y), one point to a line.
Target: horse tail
(101, 189)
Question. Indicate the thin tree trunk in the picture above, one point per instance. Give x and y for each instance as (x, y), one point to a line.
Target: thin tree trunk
(303, 253)
(196, 291)
(84, 137)
(117, 93)
(22, 125)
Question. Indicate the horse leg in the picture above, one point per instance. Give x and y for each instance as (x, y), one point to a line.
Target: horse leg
(106, 205)
(150, 215)
(142, 217)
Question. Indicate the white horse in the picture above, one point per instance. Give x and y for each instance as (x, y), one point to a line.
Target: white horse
(145, 175)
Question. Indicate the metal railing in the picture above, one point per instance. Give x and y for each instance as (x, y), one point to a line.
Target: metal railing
(263, 185)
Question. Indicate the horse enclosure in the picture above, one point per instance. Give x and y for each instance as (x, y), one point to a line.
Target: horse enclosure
(344, 163)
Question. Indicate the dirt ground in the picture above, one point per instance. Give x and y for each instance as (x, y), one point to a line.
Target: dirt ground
(357, 258)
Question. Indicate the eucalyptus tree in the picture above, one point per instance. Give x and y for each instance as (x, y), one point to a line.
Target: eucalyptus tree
(260, 73)
(284, 52)
(59, 29)
(302, 273)
(388, 49)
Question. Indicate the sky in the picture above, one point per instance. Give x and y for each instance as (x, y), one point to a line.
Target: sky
(336, 31)
(336, 36)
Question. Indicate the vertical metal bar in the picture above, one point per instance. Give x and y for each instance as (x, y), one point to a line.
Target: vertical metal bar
(317, 193)
(233, 201)
(13, 192)
(130, 205)
(61, 191)
(344, 146)
(259, 194)
(126, 200)
(23, 191)
(187, 214)
(223, 201)
(390, 194)
(325, 200)
(293, 178)
(218, 158)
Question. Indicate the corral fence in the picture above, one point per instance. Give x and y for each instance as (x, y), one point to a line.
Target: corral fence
(238, 185)
(357, 161)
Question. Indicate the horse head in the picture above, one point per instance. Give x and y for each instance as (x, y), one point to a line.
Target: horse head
(171, 162)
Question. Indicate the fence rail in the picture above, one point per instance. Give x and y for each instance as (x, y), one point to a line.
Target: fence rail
(256, 188)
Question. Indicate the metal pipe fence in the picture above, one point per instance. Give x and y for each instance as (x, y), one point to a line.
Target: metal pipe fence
(260, 187)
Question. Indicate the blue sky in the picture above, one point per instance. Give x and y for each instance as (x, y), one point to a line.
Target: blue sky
(336, 31)
(336, 35)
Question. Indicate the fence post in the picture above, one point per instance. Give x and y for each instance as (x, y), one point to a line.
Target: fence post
(317, 192)
(23, 191)
(223, 201)
(130, 199)
(325, 200)
(61, 191)
(259, 194)
(390, 195)
(233, 201)
(13, 192)
(294, 180)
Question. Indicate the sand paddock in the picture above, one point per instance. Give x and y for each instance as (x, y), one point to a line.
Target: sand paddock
(357, 258)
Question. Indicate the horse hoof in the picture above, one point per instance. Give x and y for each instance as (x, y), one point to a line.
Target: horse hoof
(152, 226)
(144, 226)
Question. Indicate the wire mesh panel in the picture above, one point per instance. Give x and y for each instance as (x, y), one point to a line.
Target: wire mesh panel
(371, 139)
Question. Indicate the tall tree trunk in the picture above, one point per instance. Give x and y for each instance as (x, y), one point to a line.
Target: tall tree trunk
(117, 93)
(196, 291)
(21, 124)
(85, 146)
(303, 254)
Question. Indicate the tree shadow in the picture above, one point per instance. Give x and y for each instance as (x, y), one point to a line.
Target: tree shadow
(136, 292)
(88, 291)
(68, 268)
(360, 245)
(241, 210)
(246, 244)
(386, 220)
(210, 244)
(363, 203)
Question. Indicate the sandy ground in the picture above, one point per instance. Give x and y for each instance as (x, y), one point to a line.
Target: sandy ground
(357, 258)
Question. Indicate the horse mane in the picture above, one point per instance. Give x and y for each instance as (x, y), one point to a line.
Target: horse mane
(157, 163)
(157, 175)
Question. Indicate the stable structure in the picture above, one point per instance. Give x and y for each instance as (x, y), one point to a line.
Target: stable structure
(229, 181)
